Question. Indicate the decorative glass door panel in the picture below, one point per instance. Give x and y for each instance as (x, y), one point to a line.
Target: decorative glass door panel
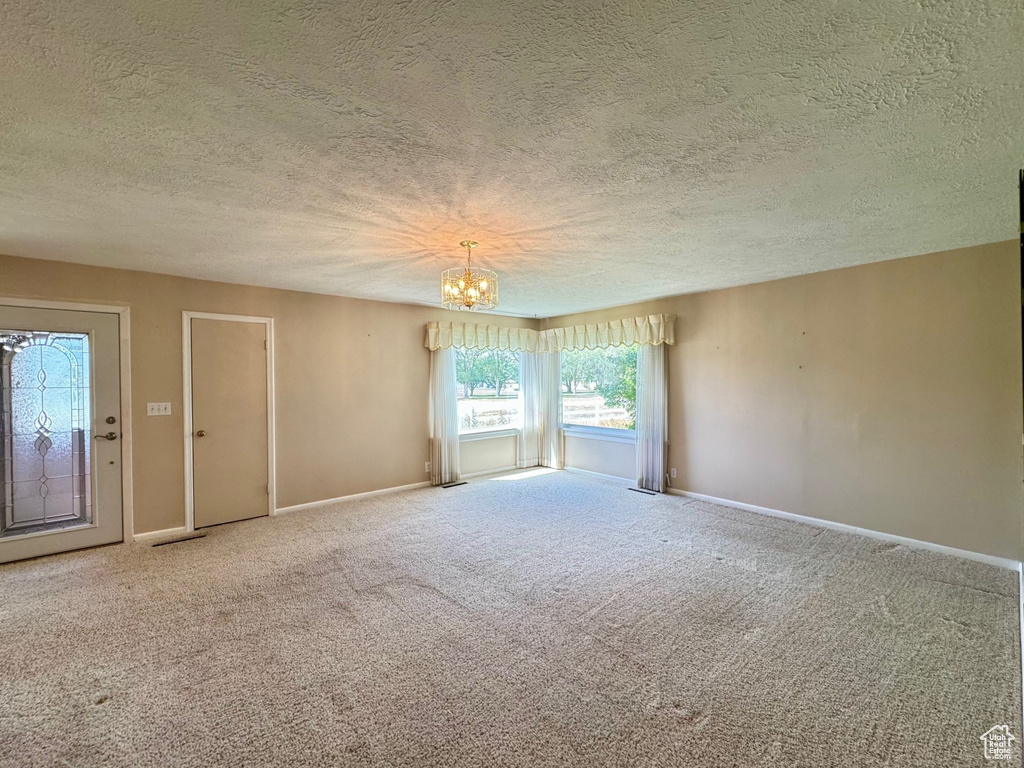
(45, 420)
(60, 474)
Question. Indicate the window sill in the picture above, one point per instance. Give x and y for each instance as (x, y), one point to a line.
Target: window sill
(606, 434)
(487, 434)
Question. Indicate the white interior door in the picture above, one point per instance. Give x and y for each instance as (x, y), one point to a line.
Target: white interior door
(230, 435)
(60, 431)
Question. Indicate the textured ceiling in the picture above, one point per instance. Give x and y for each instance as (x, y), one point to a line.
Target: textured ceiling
(601, 153)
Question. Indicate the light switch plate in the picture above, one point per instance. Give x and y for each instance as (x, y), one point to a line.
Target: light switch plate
(158, 409)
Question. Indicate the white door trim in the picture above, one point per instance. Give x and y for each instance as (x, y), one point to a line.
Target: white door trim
(124, 336)
(186, 363)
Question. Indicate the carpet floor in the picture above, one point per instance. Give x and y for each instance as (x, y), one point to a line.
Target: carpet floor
(532, 619)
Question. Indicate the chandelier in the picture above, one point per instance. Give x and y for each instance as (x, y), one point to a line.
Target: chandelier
(469, 288)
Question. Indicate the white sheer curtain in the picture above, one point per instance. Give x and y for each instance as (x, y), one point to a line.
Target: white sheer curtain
(550, 378)
(444, 418)
(530, 407)
(651, 415)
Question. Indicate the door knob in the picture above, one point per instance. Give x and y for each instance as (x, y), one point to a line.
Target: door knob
(201, 433)
(108, 436)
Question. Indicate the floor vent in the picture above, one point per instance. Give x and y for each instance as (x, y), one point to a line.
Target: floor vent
(179, 540)
(644, 491)
(453, 485)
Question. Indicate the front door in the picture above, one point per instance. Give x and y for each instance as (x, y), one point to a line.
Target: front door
(60, 431)
(230, 425)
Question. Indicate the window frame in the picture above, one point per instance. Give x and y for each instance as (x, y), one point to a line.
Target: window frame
(489, 433)
(607, 434)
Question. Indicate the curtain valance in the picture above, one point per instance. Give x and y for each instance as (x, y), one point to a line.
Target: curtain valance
(445, 335)
(646, 329)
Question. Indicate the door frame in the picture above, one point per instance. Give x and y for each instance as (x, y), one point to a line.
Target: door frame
(125, 376)
(186, 364)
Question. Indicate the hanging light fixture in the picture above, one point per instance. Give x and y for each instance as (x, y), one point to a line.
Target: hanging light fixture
(469, 288)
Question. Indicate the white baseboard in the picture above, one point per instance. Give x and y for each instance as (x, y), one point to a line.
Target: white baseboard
(1001, 562)
(616, 478)
(150, 535)
(490, 472)
(352, 497)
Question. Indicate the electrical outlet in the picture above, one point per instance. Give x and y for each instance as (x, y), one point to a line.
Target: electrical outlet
(158, 409)
(672, 472)
(426, 467)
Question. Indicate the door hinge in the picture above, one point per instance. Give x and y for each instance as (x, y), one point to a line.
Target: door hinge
(268, 489)
(266, 344)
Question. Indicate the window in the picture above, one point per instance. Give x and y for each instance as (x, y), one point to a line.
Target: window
(599, 387)
(488, 389)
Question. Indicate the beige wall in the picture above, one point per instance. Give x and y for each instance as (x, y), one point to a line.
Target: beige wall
(351, 379)
(607, 458)
(487, 455)
(885, 396)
